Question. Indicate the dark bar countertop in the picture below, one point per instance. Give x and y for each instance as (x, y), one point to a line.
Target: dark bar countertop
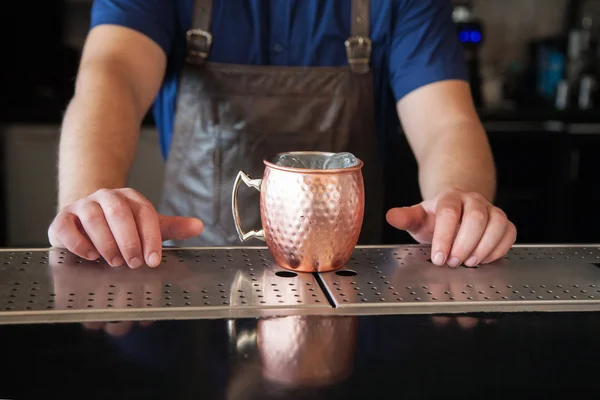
(414, 357)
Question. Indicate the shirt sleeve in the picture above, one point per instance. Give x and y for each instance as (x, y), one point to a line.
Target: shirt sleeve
(153, 18)
(424, 46)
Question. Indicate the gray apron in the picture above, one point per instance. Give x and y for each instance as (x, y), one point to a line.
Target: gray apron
(230, 117)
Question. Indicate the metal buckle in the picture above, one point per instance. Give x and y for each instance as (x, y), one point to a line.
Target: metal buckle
(199, 42)
(354, 45)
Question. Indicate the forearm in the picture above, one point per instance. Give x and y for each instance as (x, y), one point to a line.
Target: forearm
(458, 157)
(99, 133)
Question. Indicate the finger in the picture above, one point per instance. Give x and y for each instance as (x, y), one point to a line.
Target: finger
(440, 320)
(464, 322)
(473, 223)
(467, 322)
(119, 217)
(65, 233)
(179, 228)
(410, 219)
(146, 219)
(509, 238)
(118, 328)
(447, 217)
(93, 326)
(493, 234)
(96, 228)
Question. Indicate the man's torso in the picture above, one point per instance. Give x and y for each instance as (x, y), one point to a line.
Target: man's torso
(282, 33)
(414, 42)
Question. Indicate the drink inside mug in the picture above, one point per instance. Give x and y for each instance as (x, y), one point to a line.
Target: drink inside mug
(311, 206)
(316, 160)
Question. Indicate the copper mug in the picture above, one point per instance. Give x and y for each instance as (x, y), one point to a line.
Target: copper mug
(311, 218)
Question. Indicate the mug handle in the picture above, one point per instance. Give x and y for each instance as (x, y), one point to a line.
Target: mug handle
(254, 183)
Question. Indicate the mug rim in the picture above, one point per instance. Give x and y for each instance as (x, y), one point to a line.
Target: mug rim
(275, 156)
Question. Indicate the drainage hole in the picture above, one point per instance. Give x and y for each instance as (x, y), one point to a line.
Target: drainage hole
(286, 274)
(346, 272)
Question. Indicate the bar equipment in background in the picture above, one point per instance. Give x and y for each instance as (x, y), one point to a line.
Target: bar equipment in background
(578, 87)
(471, 34)
(550, 68)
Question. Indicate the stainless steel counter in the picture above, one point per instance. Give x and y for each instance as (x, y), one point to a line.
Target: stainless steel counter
(41, 285)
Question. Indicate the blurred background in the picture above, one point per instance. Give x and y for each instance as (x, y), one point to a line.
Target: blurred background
(534, 68)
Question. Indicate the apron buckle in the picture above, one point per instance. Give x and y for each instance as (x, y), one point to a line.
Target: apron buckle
(198, 43)
(358, 52)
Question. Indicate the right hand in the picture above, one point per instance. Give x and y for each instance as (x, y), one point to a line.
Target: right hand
(121, 226)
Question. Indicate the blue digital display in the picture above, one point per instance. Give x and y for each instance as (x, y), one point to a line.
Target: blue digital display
(469, 36)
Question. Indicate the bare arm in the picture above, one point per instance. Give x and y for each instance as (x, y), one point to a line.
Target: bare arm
(120, 73)
(457, 178)
(448, 140)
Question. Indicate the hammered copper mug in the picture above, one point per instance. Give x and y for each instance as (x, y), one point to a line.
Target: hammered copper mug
(311, 218)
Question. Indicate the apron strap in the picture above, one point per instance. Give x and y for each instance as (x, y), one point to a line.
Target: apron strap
(198, 37)
(358, 46)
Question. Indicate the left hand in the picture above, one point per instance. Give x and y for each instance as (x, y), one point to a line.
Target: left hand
(462, 227)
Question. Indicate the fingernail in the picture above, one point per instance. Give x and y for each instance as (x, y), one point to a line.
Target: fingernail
(438, 258)
(135, 262)
(153, 260)
(471, 262)
(453, 262)
(117, 261)
(92, 255)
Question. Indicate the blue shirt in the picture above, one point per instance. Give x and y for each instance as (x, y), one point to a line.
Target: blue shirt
(415, 42)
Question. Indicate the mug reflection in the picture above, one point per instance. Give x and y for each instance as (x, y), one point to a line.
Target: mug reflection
(286, 355)
(307, 350)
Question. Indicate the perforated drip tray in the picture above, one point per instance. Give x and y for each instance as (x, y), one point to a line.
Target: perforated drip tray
(552, 278)
(41, 285)
(209, 283)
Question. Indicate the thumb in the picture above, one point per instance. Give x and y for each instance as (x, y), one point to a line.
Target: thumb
(410, 219)
(179, 228)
